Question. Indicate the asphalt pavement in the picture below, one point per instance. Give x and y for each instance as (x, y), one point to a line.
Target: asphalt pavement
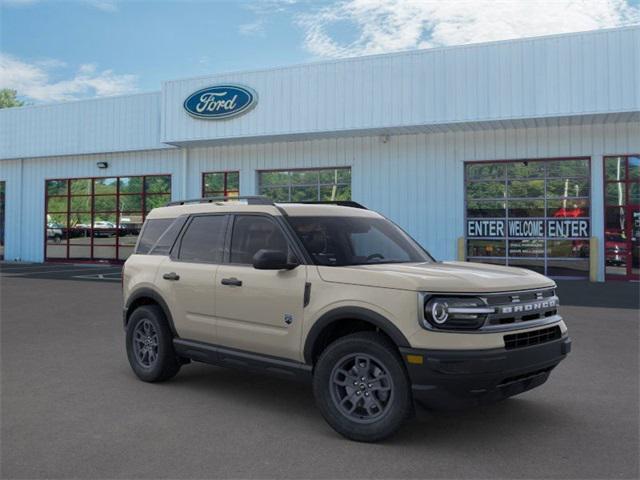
(71, 407)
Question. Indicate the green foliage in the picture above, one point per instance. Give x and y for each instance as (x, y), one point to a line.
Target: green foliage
(8, 98)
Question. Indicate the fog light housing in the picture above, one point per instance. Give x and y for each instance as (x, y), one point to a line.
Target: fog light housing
(455, 313)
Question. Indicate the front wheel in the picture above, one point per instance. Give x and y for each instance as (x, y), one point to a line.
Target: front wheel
(361, 387)
(150, 345)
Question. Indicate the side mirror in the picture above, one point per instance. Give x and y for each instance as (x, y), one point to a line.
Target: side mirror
(272, 260)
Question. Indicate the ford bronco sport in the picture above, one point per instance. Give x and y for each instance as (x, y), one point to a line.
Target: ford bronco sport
(340, 295)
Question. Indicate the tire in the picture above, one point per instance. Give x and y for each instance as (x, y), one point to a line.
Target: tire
(384, 402)
(151, 357)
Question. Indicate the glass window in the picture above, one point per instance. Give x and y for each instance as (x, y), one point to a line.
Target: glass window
(615, 168)
(526, 189)
(203, 240)
(634, 168)
(486, 190)
(100, 217)
(615, 193)
(80, 204)
(486, 171)
(57, 204)
(131, 184)
(104, 186)
(526, 208)
(340, 241)
(570, 187)
(543, 213)
(57, 187)
(568, 248)
(157, 184)
(486, 248)
(329, 184)
(568, 168)
(525, 169)
(486, 209)
(526, 248)
(570, 208)
(221, 184)
(151, 232)
(252, 233)
(167, 239)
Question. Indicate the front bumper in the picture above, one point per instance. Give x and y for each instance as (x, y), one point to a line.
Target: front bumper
(460, 378)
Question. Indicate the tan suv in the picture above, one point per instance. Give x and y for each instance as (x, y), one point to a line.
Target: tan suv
(340, 295)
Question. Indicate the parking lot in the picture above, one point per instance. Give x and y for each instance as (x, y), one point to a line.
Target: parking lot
(71, 407)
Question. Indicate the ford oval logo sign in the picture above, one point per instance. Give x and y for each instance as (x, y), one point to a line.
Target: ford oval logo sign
(220, 101)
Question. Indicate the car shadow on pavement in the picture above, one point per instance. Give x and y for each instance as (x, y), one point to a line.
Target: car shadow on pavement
(515, 418)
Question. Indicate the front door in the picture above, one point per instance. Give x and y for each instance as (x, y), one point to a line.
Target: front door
(259, 310)
(622, 217)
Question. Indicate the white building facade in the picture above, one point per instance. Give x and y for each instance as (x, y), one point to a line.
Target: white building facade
(523, 152)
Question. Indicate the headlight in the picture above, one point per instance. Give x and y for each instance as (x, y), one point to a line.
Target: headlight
(455, 313)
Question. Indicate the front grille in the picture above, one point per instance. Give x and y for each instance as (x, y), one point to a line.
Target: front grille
(522, 306)
(535, 337)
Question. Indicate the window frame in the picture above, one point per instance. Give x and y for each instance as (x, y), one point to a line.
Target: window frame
(318, 185)
(91, 212)
(506, 259)
(226, 190)
(627, 207)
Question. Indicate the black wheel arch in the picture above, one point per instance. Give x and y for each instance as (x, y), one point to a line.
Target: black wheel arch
(329, 319)
(147, 296)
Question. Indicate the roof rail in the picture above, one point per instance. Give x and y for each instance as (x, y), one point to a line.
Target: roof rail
(340, 203)
(251, 200)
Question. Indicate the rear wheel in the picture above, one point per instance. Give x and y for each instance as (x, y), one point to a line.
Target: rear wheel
(361, 387)
(150, 345)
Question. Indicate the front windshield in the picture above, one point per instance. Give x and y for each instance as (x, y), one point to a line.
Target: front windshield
(343, 241)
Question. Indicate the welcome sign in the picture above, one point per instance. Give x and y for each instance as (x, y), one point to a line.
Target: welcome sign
(220, 102)
(528, 228)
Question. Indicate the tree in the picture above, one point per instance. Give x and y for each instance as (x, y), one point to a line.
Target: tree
(8, 98)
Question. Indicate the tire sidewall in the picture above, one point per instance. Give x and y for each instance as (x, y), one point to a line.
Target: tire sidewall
(166, 356)
(376, 346)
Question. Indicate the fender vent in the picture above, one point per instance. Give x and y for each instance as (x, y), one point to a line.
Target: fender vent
(535, 337)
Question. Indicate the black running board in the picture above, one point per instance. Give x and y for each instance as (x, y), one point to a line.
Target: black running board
(227, 357)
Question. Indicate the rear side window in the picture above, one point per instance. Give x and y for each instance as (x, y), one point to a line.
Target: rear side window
(203, 240)
(168, 238)
(151, 232)
(252, 233)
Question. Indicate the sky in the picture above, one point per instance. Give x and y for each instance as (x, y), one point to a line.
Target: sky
(54, 50)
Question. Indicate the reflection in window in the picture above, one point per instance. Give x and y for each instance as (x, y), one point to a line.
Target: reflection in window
(100, 218)
(329, 184)
(221, 184)
(517, 192)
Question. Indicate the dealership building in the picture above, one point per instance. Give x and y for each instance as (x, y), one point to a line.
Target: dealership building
(522, 152)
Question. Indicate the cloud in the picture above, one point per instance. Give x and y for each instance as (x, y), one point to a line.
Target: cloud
(253, 28)
(379, 26)
(34, 80)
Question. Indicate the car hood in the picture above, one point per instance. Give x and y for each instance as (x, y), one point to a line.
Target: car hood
(456, 277)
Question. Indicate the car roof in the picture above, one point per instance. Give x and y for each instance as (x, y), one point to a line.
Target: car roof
(277, 209)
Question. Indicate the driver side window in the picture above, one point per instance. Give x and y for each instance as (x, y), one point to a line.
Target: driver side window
(252, 233)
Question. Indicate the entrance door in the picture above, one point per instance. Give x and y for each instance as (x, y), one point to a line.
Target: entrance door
(622, 217)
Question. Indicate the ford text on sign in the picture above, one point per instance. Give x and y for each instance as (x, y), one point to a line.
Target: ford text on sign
(220, 102)
(525, 228)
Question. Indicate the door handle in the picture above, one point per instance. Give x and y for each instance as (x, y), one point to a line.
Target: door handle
(233, 282)
(171, 276)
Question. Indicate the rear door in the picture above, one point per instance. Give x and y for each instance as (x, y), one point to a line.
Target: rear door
(259, 310)
(188, 277)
